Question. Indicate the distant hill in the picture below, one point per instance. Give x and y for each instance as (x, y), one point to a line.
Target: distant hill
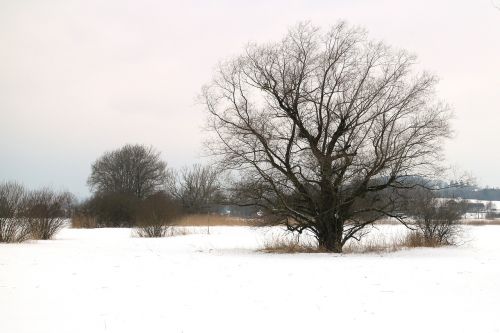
(472, 192)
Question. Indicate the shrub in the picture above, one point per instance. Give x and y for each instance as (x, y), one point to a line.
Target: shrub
(111, 209)
(12, 227)
(45, 212)
(155, 215)
(440, 224)
(38, 214)
(435, 221)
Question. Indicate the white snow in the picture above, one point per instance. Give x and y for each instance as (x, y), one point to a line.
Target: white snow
(104, 280)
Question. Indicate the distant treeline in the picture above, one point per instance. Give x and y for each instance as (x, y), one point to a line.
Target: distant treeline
(471, 192)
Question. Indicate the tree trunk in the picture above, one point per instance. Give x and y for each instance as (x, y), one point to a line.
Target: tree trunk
(329, 235)
(330, 226)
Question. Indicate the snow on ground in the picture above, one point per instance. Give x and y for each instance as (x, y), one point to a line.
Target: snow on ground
(104, 280)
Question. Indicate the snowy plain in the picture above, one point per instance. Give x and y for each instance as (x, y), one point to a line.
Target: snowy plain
(105, 280)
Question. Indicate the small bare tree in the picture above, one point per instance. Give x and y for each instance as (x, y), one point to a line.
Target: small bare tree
(436, 220)
(133, 169)
(197, 188)
(156, 214)
(319, 125)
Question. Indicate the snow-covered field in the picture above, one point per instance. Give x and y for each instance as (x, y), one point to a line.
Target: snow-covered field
(104, 280)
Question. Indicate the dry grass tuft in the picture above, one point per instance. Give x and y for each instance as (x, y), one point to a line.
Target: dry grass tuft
(81, 221)
(202, 220)
(373, 244)
(416, 239)
(379, 244)
(482, 222)
(282, 244)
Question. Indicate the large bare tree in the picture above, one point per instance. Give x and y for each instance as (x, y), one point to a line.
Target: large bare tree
(137, 170)
(325, 128)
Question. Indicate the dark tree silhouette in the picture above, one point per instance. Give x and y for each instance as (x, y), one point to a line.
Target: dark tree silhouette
(325, 128)
(133, 169)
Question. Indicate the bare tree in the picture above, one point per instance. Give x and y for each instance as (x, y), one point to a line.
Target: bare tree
(132, 169)
(321, 125)
(198, 187)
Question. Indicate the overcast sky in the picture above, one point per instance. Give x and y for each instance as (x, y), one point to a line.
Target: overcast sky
(80, 77)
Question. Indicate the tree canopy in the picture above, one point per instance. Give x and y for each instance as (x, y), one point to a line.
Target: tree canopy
(325, 128)
(133, 169)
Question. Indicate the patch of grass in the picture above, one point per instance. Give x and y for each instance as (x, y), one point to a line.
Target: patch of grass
(282, 244)
(482, 222)
(202, 220)
(377, 244)
(372, 244)
(416, 239)
(81, 221)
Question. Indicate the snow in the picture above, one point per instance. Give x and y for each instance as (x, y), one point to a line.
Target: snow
(104, 280)
(496, 204)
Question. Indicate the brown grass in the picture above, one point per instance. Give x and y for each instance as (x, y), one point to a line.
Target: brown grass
(201, 220)
(412, 239)
(482, 222)
(464, 222)
(416, 239)
(281, 244)
(378, 244)
(373, 245)
(83, 221)
(198, 220)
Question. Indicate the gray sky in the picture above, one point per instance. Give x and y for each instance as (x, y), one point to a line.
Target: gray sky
(79, 77)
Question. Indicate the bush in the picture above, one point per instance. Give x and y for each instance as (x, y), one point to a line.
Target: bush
(12, 227)
(38, 214)
(442, 226)
(155, 215)
(45, 212)
(110, 209)
(435, 221)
